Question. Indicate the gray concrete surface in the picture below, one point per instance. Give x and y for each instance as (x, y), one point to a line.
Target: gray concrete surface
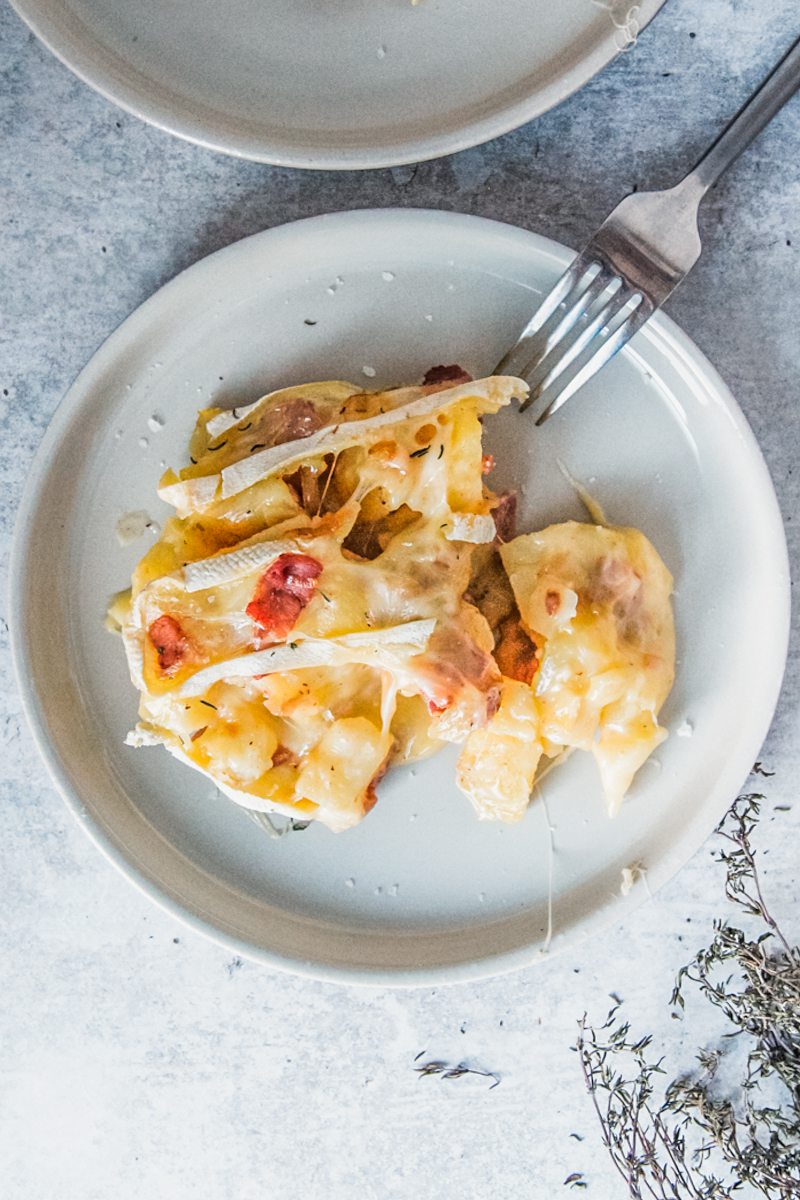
(139, 1060)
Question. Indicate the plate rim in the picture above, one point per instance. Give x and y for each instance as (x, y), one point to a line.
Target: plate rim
(715, 802)
(86, 61)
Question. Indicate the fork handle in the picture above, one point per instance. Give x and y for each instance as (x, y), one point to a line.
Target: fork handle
(759, 110)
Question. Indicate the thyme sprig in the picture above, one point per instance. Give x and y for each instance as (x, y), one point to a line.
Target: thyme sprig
(453, 1071)
(694, 1139)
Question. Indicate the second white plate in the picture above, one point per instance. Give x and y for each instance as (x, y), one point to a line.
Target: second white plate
(355, 83)
(421, 889)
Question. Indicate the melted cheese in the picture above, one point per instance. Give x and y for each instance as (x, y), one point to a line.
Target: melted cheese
(362, 520)
(596, 599)
(228, 468)
(383, 659)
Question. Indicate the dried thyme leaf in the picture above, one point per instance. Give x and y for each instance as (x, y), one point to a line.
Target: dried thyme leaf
(453, 1071)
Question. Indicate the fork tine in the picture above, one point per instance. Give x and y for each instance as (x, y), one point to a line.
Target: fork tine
(574, 309)
(563, 354)
(593, 359)
(520, 353)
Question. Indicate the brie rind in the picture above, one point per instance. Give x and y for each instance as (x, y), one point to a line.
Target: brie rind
(203, 491)
(332, 390)
(411, 403)
(143, 735)
(133, 643)
(476, 528)
(233, 564)
(368, 648)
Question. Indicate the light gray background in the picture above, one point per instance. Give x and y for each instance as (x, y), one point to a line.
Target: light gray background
(138, 1060)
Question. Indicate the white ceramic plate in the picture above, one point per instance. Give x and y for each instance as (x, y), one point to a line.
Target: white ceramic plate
(333, 83)
(421, 889)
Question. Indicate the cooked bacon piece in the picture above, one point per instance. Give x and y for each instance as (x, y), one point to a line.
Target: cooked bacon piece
(454, 670)
(615, 579)
(290, 420)
(171, 643)
(487, 464)
(283, 591)
(439, 378)
(371, 794)
(515, 652)
(505, 516)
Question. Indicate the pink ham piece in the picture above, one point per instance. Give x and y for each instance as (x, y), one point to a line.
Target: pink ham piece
(515, 652)
(505, 516)
(283, 591)
(439, 378)
(290, 420)
(455, 673)
(171, 643)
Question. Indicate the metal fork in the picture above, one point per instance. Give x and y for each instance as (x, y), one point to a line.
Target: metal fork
(637, 258)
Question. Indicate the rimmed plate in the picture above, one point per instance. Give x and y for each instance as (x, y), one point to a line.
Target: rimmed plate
(357, 83)
(421, 890)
